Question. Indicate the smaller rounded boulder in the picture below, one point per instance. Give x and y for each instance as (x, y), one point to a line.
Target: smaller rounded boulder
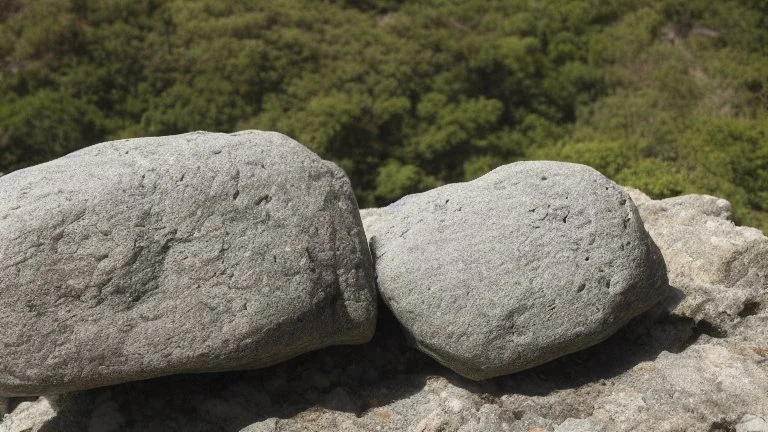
(528, 263)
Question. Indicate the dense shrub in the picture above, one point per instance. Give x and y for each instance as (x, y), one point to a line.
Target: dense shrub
(669, 96)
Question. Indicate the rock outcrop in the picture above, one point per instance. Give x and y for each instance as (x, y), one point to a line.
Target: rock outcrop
(192, 253)
(673, 368)
(528, 263)
(721, 269)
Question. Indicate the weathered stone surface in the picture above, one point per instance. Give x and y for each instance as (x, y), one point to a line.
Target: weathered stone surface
(199, 252)
(530, 262)
(721, 269)
(750, 423)
(630, 382)
(658, 373)
(30, 416)
(703, 385)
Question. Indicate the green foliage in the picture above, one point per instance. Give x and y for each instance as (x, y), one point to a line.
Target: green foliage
(43, 123)
(396, 180)
(670, 96)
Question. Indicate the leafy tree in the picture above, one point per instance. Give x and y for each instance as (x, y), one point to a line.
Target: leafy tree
(670, 96)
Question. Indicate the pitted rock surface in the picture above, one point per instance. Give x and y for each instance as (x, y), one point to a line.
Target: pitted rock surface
(199, 252)
(528, 263)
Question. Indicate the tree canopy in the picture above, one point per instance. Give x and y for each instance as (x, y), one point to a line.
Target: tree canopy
(669, 96)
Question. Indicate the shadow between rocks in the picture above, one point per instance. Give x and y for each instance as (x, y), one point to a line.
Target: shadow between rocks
(642, 339)
(347, 379)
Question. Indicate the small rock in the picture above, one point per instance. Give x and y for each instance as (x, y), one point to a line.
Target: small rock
(29, 416)
(528, 263)
(750, 423)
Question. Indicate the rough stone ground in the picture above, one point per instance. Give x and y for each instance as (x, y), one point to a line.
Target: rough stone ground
(665, 371)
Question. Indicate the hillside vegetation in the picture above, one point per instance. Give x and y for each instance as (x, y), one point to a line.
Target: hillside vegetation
(668, 96)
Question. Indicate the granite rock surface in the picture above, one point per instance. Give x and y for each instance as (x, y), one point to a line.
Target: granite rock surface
(528, 263)
(664, 371)
(721, 269)
(200, 252)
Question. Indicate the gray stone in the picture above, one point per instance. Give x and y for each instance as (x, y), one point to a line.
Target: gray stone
(528, 263)
(31, 416)
(192, 253)
(750, 423)
(720, 269)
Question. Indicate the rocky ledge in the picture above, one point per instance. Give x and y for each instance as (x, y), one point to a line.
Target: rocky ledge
(697, 362)
(693, 358)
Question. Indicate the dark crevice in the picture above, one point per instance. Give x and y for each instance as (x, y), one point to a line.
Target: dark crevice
(749, 309)
(14, 402)
(371, 375)
(705, 327)
(263, 199)
(722, 426)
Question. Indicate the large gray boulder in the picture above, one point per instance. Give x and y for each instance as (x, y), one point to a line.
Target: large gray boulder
(192, 253)
(528, 263)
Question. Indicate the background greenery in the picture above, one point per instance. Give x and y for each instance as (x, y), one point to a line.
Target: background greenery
(669, 96)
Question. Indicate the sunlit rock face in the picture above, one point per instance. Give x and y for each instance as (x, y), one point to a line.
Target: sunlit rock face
(528, 263)
(191, 253)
